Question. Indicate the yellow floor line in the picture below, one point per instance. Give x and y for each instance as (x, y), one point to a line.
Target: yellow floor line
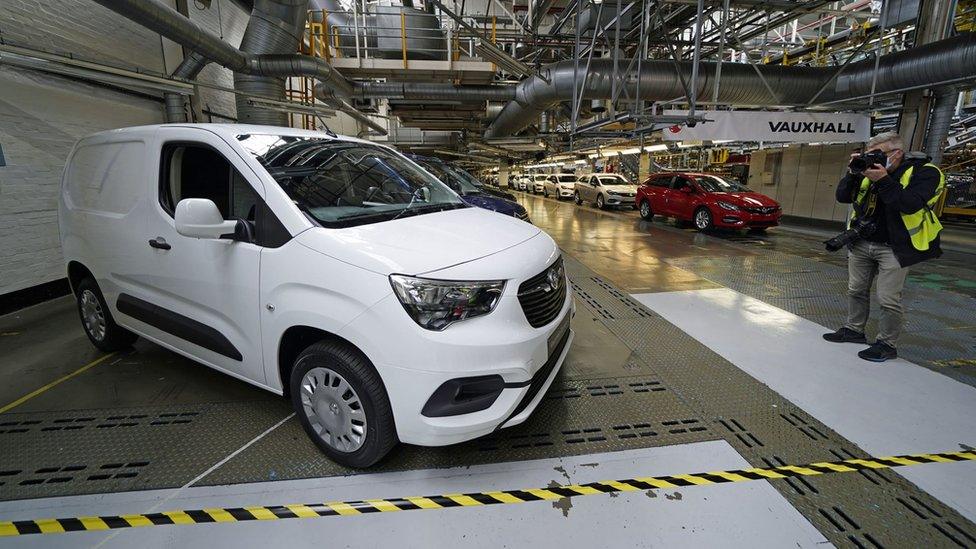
(56, 382)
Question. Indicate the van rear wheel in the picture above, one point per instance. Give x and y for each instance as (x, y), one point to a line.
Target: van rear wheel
(342, 404)
(97, 321)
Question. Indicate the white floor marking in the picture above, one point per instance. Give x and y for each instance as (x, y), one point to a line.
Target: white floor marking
(751, 514)
(890, 408)
(171, 494)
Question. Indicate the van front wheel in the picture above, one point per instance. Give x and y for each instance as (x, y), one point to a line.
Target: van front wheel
(97, 321)
(342, 404)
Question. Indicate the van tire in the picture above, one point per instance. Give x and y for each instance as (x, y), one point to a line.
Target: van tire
(104, 333)
(349, 363)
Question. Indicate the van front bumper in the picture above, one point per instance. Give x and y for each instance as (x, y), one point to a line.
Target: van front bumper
(527, 360)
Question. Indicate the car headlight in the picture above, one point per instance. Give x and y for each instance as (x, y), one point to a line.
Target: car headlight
(614, 193)
(727, 206)
(436, 304)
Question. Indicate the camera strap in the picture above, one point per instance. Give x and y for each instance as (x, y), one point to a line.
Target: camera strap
(866, 206)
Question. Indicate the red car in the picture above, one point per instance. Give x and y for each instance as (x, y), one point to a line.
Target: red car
(707, 200)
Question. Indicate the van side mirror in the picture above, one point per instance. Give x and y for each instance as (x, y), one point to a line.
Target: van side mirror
(200, 218)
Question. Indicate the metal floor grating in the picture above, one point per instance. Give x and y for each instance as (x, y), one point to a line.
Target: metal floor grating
(633, 380)
(870, 509)
(94, 451)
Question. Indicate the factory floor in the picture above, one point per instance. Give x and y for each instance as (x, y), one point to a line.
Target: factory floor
(698, 406)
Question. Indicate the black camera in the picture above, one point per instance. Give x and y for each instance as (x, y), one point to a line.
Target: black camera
(864, 161)
(859, 229)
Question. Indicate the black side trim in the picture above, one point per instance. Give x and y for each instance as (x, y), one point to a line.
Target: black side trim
(178, 325)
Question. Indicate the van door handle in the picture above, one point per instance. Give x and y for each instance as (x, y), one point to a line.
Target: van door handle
(159, 243)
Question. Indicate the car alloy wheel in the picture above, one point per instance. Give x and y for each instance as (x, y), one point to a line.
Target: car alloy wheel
(333, 409)
(600, 203)
(92, 315)
(545, 193)
(579, 200)
(703, 219)
(645, 210)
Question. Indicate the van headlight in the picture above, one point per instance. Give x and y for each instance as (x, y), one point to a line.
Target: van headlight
(436, 304)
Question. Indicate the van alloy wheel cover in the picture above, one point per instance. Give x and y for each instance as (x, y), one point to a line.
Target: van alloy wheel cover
(333, 409)
(92, 315)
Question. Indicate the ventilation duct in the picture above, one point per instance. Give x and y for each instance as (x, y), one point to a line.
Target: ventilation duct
(166, 21)
(434, 91)
(187, 70)
(942, 112)
(381, 30)
(928, 65)
(276, 27)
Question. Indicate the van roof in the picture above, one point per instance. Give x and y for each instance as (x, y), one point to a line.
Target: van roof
(229, 131)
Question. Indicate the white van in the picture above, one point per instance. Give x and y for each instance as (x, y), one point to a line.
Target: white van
(331, 270)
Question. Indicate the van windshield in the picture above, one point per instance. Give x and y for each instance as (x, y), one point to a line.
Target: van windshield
(347, 183)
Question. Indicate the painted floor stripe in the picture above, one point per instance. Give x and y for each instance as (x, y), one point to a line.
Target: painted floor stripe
(476, 499)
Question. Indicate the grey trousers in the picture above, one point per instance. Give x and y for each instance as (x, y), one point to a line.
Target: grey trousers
(866, 262)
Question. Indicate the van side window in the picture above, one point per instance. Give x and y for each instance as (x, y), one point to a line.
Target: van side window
(191, 171)
(197, 171)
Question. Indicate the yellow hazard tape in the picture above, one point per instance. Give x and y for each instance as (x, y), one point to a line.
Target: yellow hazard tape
(474, 499)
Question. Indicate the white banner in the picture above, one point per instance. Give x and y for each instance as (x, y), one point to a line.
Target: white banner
(792, 127)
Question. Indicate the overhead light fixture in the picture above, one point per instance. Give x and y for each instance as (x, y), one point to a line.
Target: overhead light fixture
(497, 56)
(656, 148)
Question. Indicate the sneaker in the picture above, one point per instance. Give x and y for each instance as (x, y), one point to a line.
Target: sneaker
(879, 352)
(845, 335)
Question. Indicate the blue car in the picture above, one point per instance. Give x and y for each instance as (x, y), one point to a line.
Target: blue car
(461, 182)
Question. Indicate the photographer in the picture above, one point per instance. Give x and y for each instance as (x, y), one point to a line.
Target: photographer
(892, 227)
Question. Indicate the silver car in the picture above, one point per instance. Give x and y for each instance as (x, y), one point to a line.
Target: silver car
(562, 185)
(520, 182)
(538, 185)
(606, 190)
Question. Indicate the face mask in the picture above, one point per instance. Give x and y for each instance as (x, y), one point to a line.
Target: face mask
(891, 160)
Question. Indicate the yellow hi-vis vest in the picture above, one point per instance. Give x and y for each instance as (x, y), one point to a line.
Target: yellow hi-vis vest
(923, 226)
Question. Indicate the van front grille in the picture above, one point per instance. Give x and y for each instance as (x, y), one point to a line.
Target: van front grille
(543, 295)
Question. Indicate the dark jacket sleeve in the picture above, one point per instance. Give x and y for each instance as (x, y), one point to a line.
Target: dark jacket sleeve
(910, 199)
(848, 185)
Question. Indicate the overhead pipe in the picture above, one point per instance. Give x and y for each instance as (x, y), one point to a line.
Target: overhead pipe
(657, 80)
(276, 27)
(939, 123)
(933, 63)
(187, 70)
(156, 16)
(344, 106)
(436, 91)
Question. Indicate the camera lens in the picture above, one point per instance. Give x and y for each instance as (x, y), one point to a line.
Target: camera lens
(858, 164)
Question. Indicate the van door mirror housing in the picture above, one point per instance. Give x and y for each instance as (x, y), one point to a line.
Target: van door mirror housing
(687, 189)
(200, 218)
